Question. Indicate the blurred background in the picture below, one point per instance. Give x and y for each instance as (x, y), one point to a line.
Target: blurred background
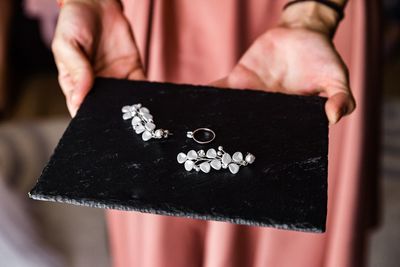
(33, 117)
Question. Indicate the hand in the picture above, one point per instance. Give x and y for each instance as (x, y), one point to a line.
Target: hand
(296, 60)
(93, 38)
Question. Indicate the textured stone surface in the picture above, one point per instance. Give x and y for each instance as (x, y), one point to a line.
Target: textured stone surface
(234, 168)
(181, 157)
(226, 159)
(192, 154)
(189, 165)
(216, 164)
(101, 162)
(146, 136)
(237, 157)
(205, 167)
(211, 153)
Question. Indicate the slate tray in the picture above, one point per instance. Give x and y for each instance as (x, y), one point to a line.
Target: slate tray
(101, 162)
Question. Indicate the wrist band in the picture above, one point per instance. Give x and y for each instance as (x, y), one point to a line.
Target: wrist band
(330, 4)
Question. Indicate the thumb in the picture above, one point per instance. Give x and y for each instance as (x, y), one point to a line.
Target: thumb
(75, 72)
(223, 82)
(241, 77)
(339, 105)
(137, 73)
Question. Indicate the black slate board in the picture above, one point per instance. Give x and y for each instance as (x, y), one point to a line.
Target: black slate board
(101, 162)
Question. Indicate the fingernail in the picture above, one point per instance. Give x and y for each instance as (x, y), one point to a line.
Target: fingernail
(333, 118)
(73, 103)
(75, 98)
(71, 109)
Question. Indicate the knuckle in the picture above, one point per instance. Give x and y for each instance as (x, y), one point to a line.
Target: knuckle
(58, 45)
(55, 45)
(83, 35)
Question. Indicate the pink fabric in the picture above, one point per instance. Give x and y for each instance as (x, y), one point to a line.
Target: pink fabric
(46, 11)
(197, 42)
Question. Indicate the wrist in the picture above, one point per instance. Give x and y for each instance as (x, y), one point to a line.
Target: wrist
(312, 16)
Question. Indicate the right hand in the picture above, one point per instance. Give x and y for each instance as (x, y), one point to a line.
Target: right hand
(93, 38)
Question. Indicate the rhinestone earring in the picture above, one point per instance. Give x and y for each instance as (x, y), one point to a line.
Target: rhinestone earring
(142, 122)
(203, 161)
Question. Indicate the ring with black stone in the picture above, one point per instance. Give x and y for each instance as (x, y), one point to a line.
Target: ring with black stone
(202, 135)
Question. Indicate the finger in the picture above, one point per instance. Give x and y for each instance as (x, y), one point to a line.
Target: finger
(339, 105)
(242, 78)
(137, 74)
(127, 67)
(120, 57)
(220, 83)
(75, 72)
(137, 70)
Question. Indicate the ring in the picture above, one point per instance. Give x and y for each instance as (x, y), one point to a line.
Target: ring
(208, 135)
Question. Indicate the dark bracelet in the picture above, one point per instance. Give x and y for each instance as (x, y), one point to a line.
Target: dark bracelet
(327, 3)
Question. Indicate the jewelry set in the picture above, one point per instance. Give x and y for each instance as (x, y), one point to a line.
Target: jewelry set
(143, 124)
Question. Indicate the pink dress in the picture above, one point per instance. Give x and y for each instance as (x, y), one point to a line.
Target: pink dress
(199, 41)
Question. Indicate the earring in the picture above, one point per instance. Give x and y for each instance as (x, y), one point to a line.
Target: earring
(214, 159)
(142, 122)
(203, 161)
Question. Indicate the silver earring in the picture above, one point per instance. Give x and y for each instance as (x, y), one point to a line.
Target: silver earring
(203, 161)
(142, 122)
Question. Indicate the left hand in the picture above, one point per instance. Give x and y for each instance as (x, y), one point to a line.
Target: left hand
(295, 60)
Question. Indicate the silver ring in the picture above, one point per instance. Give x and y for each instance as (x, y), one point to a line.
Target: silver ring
(207, 131)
